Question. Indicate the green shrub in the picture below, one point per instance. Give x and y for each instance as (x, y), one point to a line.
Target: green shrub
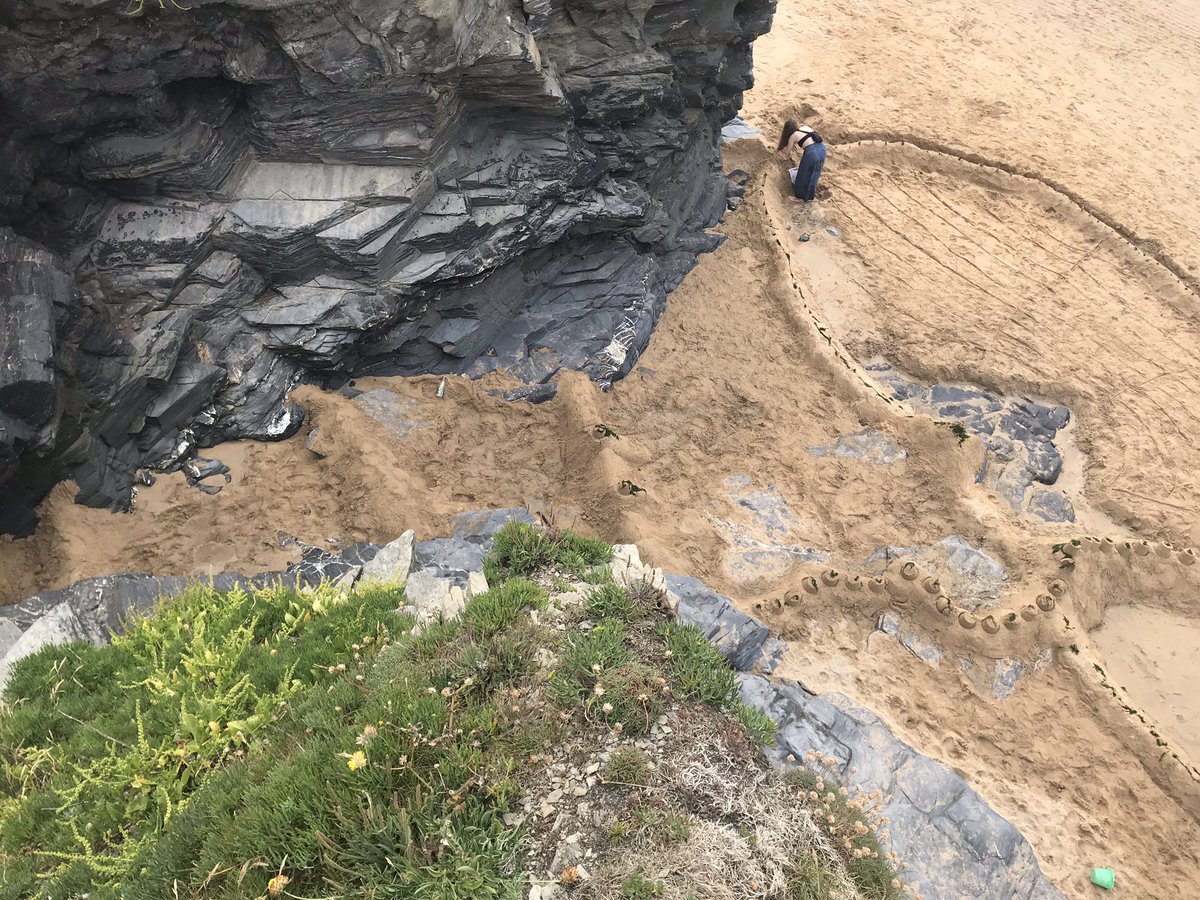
(633, 696)
(661, 827)
(519, 549)
(611, 601)
(497, 609)
(589, 654)
(522, 549)
(637, 887)
(812, 877)
(759, 727)
(598, 575)
(698, 667)
(577, 553)
(628, 765)
(230, 735)
(865, 860)
(599, 669)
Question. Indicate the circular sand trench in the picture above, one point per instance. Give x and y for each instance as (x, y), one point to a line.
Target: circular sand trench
(959, 271)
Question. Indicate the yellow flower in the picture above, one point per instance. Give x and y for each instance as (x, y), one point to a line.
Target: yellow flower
(276, 885)
(357, 761)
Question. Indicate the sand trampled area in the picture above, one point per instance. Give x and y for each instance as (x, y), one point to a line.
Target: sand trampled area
(1075, 722)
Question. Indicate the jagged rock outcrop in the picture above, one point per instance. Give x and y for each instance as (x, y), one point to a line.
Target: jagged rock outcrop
(249, 194)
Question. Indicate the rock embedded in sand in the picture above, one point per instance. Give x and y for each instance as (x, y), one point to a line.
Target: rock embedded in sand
(392, 563)
(953, 843)
(744, 642)
(1051, 506)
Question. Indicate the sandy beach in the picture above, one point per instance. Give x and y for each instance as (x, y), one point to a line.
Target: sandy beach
(1007, 208)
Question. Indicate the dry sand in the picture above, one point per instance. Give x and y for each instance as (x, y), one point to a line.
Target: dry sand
(952, 270)
(1151, 654)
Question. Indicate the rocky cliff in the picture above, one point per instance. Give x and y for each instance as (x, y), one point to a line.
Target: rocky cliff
(206, 206)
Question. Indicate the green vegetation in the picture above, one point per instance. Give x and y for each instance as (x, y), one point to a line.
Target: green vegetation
(759, 727)
(521, 549)
(611, 601)
(703, 675)
(813, 878)
(637, 887)
(234, 739)
(957, 430)
(628, 765)
(852, 827)
(661, 828)
(698, 666)
(307, 744)
(600, 675)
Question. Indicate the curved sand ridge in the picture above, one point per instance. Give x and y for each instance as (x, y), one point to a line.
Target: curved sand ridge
(1146, 246)
(1095, 95)
(962, 271)
(1058, 756)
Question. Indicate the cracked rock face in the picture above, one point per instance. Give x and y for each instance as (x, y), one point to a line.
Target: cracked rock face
(227, 200)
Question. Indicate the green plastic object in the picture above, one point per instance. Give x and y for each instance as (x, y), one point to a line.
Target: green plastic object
(1104, 878)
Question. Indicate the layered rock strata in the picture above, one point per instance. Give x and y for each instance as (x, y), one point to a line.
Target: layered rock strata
(210, 205)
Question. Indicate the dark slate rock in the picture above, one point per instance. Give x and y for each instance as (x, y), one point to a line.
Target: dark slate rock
(462, 553)
(1048, 418)
(533, 393)
(287, 202)
(1045, 462)
(738, 128)
(359, 554)
(1051, 506)
(34, 288)
(317, 565)
(1012, 482)
(955, 845)
(957, 411)
(481, 526)
(747, 644)
(1001, 446)
(906, 390)
(941, 393)
(199, 468)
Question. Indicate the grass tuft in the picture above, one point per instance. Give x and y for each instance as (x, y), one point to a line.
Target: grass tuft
(498, 608)
(522, 549)
(628, 765)
(611, 601)
(698, 667)
(759, 727)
